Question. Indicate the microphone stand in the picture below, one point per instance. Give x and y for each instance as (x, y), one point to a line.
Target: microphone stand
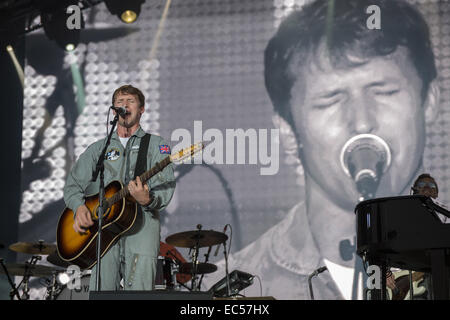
(226, 268)
(206, 260)
(100, 169)
(315, 273)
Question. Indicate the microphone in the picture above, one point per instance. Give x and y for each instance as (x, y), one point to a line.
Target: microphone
(121, 111)
(365, 158)
(218, 246)
(315, 273)
(320, 270)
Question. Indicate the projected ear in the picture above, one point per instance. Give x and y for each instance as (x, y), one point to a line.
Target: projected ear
(431, 104)
(288, 140)
(291, 147)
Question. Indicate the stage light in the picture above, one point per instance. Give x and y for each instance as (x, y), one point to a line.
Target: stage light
(16, 63)
(63, 278)
(128, 16)
(70, 47)
(56, 28)
(127, 11)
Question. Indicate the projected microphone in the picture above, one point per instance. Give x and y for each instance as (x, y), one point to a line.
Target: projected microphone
(365, 158)
(121, 111)
(218, 246)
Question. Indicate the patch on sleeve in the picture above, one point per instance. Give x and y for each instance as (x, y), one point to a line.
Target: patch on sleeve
(163, 148)
(112, 154)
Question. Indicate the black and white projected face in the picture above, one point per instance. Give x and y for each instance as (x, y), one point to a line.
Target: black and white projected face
(207, 79)
(379, 96)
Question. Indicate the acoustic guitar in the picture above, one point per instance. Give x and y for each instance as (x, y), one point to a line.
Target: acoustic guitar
(120, 212)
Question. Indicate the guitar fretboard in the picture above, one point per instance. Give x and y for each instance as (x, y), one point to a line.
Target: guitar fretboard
(124, 192)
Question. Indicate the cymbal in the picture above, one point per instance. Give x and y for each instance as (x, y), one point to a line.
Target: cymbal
(39, 247)
(19, 269)
(202, 238)
(168, 251)
(199, 268)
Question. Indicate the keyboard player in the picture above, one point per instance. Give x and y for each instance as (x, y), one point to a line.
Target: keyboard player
(424, 185)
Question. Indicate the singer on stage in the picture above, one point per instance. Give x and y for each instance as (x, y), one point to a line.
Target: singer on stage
(133, 257)
(335, 83)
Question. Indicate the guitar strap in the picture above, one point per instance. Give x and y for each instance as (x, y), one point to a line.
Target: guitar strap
(141, 162)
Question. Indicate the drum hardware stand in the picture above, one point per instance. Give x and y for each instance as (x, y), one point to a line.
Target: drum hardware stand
(51, 289)
(175, 271)
(26, 278)
(194, 286)
(100, 168)
(206, 260)
(226, 268)
(178, 263)
(27, 275)
(14, 291)
(194, 269)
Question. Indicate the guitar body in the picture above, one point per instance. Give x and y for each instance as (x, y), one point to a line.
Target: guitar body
(81, 249)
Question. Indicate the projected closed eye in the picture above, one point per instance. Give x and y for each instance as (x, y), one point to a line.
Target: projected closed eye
(329, 100)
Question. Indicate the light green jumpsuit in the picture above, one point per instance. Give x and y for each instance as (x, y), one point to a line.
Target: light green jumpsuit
(134, 256)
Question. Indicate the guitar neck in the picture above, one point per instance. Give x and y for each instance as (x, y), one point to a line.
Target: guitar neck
(124, 192)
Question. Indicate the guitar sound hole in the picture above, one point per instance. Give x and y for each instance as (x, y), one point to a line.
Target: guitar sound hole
(105, 215)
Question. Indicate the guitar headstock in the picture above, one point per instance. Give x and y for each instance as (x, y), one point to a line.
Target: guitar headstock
(187, 153)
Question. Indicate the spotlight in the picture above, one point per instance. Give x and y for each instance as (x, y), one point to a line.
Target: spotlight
(70, 47)
(63, 278)
(56, 28)
(127, 11)
(128, 16)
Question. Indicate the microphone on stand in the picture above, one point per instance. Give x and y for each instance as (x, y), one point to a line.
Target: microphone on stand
(218, 246)
(365, 158)
(319, 270)
(121, 111)
(315, 273)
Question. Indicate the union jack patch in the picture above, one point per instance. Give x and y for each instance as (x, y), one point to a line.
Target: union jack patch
(163, 148)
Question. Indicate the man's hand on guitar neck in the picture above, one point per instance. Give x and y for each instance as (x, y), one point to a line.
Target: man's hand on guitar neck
(139, 191)
(83, 219)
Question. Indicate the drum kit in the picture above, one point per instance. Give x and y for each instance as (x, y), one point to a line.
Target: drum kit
(30, 268)
(193, 240)
(173, 271)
